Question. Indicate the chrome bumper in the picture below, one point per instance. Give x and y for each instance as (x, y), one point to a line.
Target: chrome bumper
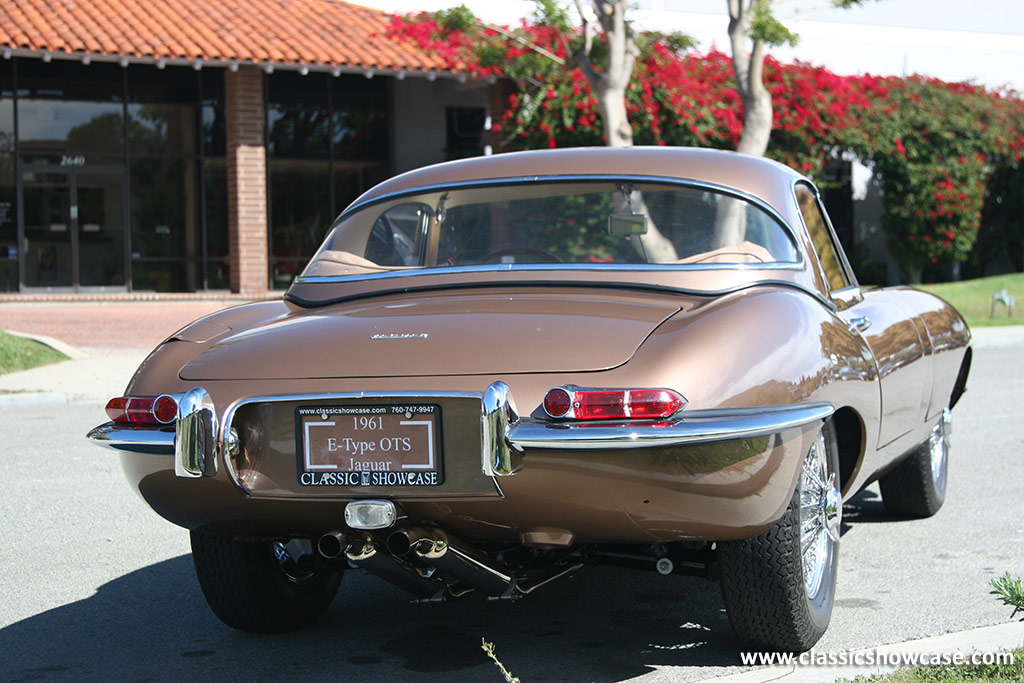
(159, 441)
(693, 427)
(506, 436)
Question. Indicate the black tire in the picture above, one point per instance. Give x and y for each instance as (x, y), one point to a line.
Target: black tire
(917, 486)
(768, 601)
(248, 587)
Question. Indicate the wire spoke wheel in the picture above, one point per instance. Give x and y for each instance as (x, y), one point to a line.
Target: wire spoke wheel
(779, 587)
(820, 516)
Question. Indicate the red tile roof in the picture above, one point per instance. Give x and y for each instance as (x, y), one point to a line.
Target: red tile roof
(312, 33)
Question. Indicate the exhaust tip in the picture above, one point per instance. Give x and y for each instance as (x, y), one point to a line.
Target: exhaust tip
(331, 545)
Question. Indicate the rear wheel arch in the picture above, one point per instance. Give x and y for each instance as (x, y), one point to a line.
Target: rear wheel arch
(849, 430)
(960, 386)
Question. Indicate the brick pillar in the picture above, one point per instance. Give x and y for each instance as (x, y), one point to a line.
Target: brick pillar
(247, 180)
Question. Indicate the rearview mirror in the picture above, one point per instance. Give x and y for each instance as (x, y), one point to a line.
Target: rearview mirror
(626, 224)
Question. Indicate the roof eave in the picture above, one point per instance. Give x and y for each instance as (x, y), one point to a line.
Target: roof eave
(369, 71)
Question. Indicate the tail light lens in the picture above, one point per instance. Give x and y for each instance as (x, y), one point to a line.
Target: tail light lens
(612, 404)
(138, 410)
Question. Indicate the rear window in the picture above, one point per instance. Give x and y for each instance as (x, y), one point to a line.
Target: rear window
(555, 223)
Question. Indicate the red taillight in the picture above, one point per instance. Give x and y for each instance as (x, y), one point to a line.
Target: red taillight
(142, 411)
(612, 404)
(557, 403)
(165, 409)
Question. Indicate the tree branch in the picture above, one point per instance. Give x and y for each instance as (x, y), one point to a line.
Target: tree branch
(523, 41)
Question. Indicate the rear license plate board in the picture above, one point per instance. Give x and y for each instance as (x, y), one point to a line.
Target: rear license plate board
(369, 445)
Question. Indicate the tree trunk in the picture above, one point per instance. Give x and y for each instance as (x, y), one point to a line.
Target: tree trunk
(749, 70)
(612, 104)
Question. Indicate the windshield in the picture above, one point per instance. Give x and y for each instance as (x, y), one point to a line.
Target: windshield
(599, 222)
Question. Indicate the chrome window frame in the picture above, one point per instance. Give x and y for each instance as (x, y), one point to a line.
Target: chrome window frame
(797, 265)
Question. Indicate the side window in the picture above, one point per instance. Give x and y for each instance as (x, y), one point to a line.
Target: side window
(821, 237)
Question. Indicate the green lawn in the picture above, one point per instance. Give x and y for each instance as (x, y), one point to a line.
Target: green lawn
(17, 353)
(973, 298)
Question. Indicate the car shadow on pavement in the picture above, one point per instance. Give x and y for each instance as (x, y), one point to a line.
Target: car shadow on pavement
(602, 624)
(866, 507)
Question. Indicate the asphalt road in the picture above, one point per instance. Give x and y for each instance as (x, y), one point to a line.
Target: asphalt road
(96, 587)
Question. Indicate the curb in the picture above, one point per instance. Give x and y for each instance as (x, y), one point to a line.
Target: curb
(33, 399)
(57, 345)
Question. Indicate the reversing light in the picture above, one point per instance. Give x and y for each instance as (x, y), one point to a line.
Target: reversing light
(138, 410)
(612, 404)
(370, 514)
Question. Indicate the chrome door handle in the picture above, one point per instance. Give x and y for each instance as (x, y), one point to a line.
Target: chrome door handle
(862, 323)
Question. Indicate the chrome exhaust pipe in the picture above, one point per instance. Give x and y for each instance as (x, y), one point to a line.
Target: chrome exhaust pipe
(363, 552)
(454, 558)
(331, 545)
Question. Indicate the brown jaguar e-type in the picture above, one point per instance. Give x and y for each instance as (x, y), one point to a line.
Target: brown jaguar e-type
(497, 370)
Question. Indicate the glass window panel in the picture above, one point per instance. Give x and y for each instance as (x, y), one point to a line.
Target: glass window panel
(162, 129)
(70, 80)
(164, 219)
(70, 127)
(160, 276)
(360, 119)
(215, 185)
(8, 226)
(821, 238)
(213, 131)
(100, 229)
(298, 117)
(6, 105)
(300, 214)
(70, 108)
(162, 110)
(46, 202)
(577, 222)
(8, 276)
(351, 179)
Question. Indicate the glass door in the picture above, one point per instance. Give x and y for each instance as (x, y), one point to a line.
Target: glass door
(100, 229)
(74, 233)
(46, 202)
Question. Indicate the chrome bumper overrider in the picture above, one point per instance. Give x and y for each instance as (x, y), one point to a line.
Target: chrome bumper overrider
(505, 436)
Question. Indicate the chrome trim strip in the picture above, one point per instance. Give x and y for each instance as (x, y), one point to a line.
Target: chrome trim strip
(695, 427)
(498, 414)
(195, 442)
(528, 267)
(138, 439)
